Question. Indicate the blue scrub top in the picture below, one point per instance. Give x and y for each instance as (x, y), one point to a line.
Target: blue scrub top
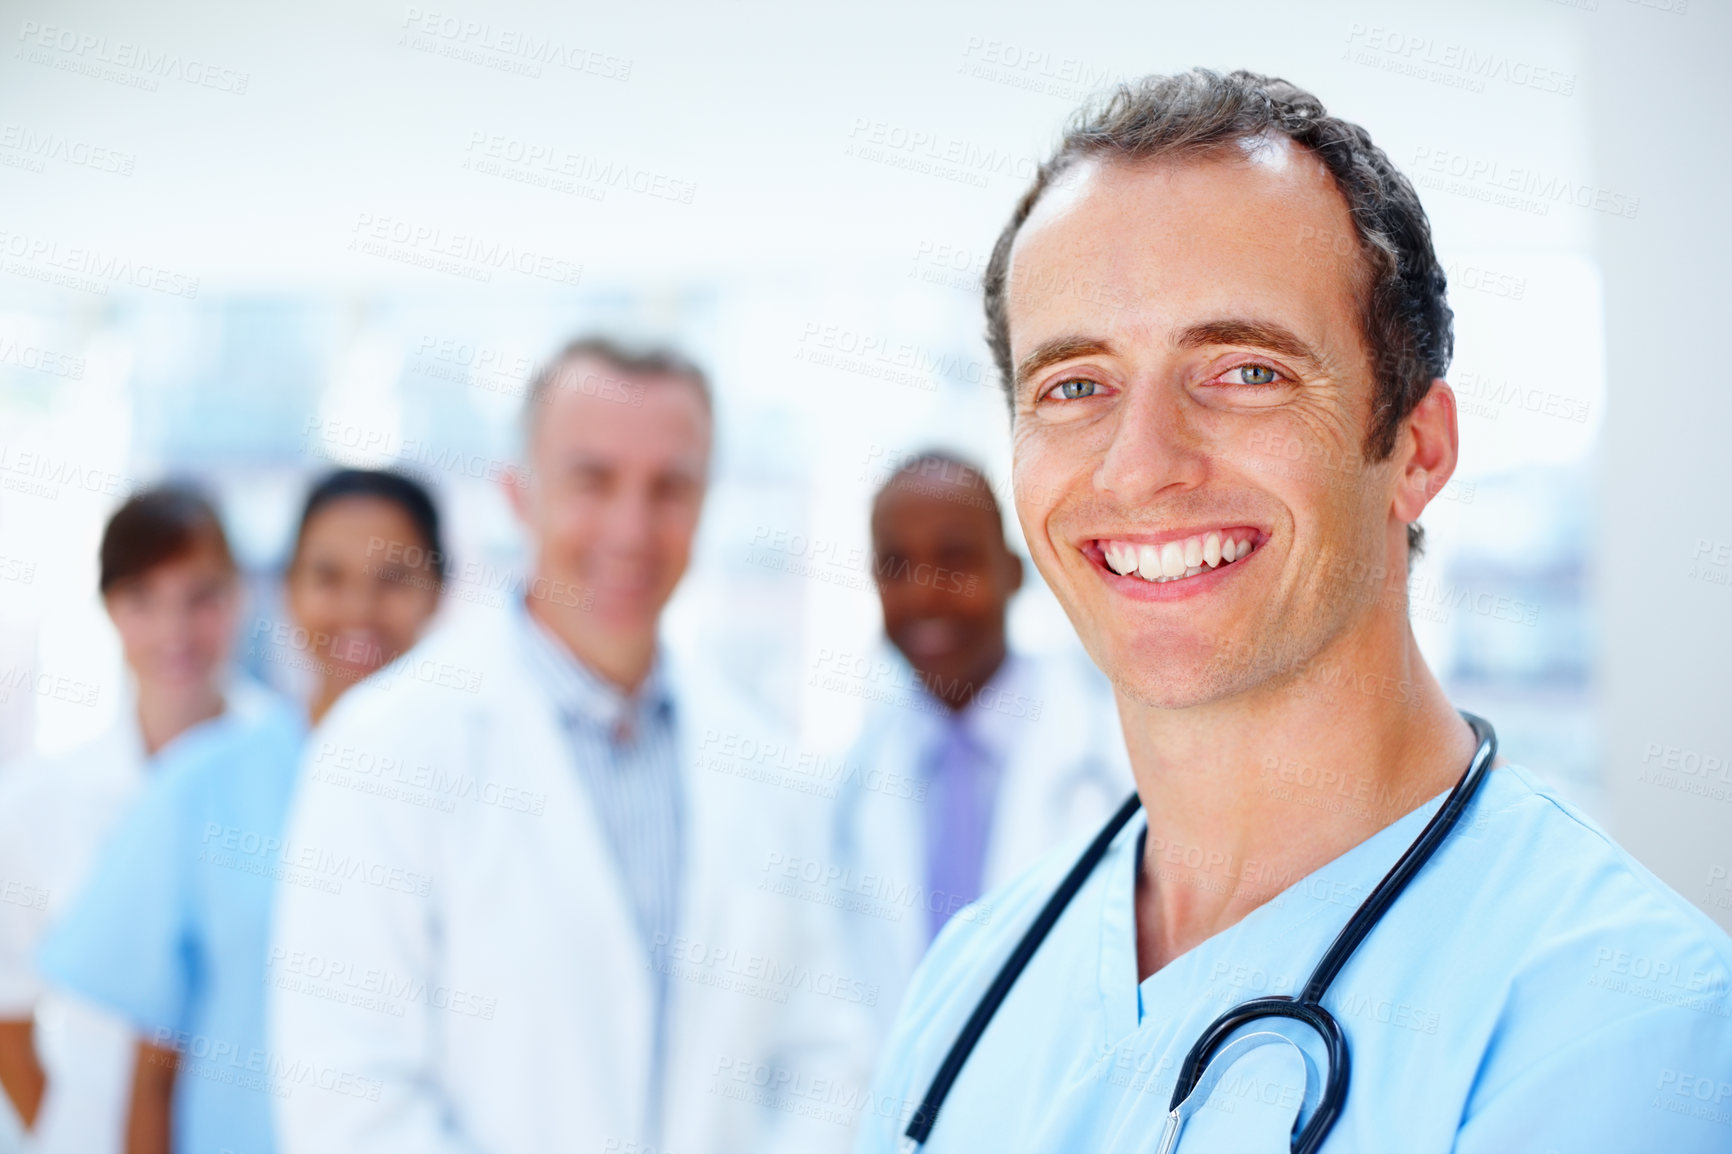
(1535, 989)
(172, 929)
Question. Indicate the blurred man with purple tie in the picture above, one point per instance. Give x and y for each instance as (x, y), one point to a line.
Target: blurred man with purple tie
(998, 756)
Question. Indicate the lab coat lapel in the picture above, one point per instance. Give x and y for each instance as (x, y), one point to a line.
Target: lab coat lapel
(891, 836)
(1036, 764)
(710, 849)
(584, 890)
(715, 1017)
(1056, 784)
(699, 887)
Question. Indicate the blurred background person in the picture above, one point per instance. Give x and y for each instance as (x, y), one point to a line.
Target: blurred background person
(171, 931)
(593, 964)
(1009, 754)
(169, 584)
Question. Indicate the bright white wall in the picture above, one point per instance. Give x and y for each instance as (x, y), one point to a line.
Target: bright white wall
(1665, 530)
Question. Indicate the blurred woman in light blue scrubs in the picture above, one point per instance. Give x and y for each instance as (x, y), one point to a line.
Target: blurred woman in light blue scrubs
(172, 930)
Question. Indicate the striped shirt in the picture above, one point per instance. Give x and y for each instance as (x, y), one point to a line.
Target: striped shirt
(623, 749)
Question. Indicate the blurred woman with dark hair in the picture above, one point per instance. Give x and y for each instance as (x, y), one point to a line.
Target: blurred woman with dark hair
(172, 930)
(168, 581)
(364, 575)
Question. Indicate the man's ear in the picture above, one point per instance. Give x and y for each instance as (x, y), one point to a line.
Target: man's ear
(1015, 570)
(1426, 452)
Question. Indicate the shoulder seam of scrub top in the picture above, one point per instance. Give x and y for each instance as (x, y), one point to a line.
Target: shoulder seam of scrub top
(1565, 1052)
(1651, 886)
(1664, 900)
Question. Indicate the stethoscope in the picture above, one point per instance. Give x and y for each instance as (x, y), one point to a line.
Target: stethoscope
(1195, 1083)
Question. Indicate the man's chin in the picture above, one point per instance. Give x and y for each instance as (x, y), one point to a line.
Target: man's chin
(350, 673)
(180, 679)
(947, 683)
(1167, 692)
(1167, 679)
(623, 611)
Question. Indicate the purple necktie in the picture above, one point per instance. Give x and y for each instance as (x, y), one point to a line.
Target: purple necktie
(962, 785)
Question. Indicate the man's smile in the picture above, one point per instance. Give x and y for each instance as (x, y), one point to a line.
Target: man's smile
(1183, 561)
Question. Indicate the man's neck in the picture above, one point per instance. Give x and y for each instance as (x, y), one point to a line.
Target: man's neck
(162, 717)
(329, 689)
(1247, 796)
(621, 657)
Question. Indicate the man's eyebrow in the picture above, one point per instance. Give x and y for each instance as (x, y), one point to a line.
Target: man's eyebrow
(1260, 334)
(1060, 349)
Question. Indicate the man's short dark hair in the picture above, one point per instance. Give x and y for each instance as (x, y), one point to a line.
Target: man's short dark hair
(942, 474)
(1407, 322)
(631, 361)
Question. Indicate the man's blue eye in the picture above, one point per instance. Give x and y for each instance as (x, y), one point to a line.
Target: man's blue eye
(1256, 375)
(1073, 390)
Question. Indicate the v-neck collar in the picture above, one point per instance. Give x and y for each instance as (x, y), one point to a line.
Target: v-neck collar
(1126, 1004)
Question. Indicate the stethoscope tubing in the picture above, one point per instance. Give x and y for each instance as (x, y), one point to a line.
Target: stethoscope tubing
(920, 1125)
(1372, 909)
(1307, 1007)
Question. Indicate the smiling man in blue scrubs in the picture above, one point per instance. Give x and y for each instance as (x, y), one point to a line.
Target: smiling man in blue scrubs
(1224, 333)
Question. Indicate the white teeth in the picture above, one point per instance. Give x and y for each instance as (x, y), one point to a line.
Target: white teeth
(1175, 559)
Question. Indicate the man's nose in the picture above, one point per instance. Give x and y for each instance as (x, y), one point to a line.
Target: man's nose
(926, 595)
(629, 519)
(360, 601)
(1153, 445)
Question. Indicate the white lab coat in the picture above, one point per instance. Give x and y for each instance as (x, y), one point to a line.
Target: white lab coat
(1065, 770)
(493, 994)
(55, 814)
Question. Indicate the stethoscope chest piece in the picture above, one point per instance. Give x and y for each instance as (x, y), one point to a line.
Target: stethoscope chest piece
(1224, 1060)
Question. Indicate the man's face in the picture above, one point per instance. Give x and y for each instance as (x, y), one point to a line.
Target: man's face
(177, 622)
(1223, 408)
(615, 488)
(945, 578)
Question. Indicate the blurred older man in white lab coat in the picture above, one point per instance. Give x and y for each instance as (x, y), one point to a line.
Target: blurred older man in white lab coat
(558, 938)
(1004, 755)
